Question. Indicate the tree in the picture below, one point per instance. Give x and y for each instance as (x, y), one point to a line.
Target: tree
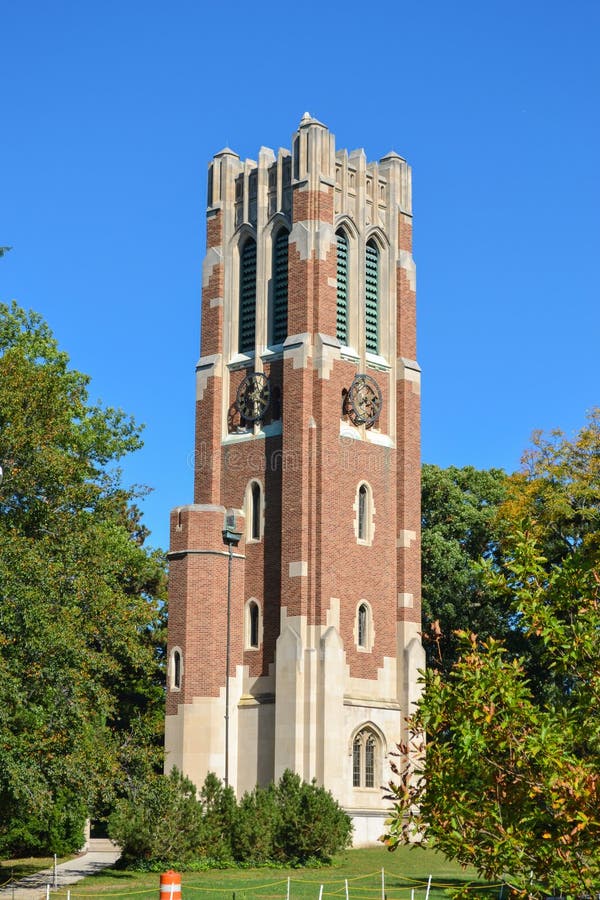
(458, 509)
(79, 593)
(510, 781)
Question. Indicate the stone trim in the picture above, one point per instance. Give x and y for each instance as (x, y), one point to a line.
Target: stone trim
(409, 370)
(406, 262)
(406, 538)
(214, 257)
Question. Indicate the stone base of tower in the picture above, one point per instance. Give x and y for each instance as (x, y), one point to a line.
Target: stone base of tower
(308, 715)
(368, 827)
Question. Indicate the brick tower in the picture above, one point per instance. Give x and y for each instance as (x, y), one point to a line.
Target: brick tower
(307, 445)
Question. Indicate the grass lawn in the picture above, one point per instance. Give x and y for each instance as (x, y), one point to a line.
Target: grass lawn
(407, 871)
(13, 869)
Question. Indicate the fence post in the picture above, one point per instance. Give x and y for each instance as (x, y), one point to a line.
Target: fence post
(321, 893)
(383, 884)
(288, 889)
(347, 894)
(428, 888)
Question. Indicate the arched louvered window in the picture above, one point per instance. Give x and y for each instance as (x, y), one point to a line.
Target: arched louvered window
(280, 287)
(372, 297)
(342, 287)
(247, 296)
(364, 759)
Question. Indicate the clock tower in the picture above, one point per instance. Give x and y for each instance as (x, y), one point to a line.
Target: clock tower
(294, 590)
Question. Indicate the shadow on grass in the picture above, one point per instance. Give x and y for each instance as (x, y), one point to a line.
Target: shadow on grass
(117, 874)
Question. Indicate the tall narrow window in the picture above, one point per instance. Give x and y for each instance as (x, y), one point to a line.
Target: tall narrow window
(363, 618)
(280, 287)
(342, 287)
(356, 754)
(372, 297)
(253, 625)
(363, 501)
(370, 762)
(247, 309)
(255, 514)
(176, 668)
(275, 404)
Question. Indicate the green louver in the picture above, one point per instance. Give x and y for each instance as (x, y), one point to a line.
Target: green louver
(247, 296)
(372, 298)
(342, 288)
(280, 287)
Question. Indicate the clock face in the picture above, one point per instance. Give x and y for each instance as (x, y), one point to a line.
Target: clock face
(253, 396)
(364, 401)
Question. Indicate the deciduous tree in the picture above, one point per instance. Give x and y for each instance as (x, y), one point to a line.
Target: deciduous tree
(510, 781)
(458, 509)
(79, 593)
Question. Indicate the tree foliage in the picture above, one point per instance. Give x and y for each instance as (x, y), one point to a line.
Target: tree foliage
(79, 613)
(161, 823)
(458, 510)
(510, 781)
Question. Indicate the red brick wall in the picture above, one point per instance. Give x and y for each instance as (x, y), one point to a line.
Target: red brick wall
(310, 476)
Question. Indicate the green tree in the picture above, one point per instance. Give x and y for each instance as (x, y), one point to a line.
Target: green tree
(458, 511)
(510, 780)
(79, 593)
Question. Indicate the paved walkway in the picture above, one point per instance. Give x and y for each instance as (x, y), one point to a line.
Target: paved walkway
(34, 886)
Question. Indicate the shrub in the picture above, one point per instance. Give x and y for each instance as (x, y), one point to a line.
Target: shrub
(256, 823)
(161, 820)
(218, 816)
(162, 823)
(312, 825)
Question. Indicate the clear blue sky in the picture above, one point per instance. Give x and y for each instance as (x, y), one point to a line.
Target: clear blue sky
(111, 110)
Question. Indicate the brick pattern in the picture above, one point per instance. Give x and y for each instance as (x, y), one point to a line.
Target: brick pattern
(406, 338)
(198, 607)
(408, 439)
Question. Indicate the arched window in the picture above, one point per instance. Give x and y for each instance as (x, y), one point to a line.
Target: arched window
(255, 521)
(364, 508)
(253, 510)
(247, 308)
(280, 287)
(364, 633)
(364, 759)
(342, 287)
(372, 297)
(363, 499)
(176, 669)
(363, 623)
(252, 625)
